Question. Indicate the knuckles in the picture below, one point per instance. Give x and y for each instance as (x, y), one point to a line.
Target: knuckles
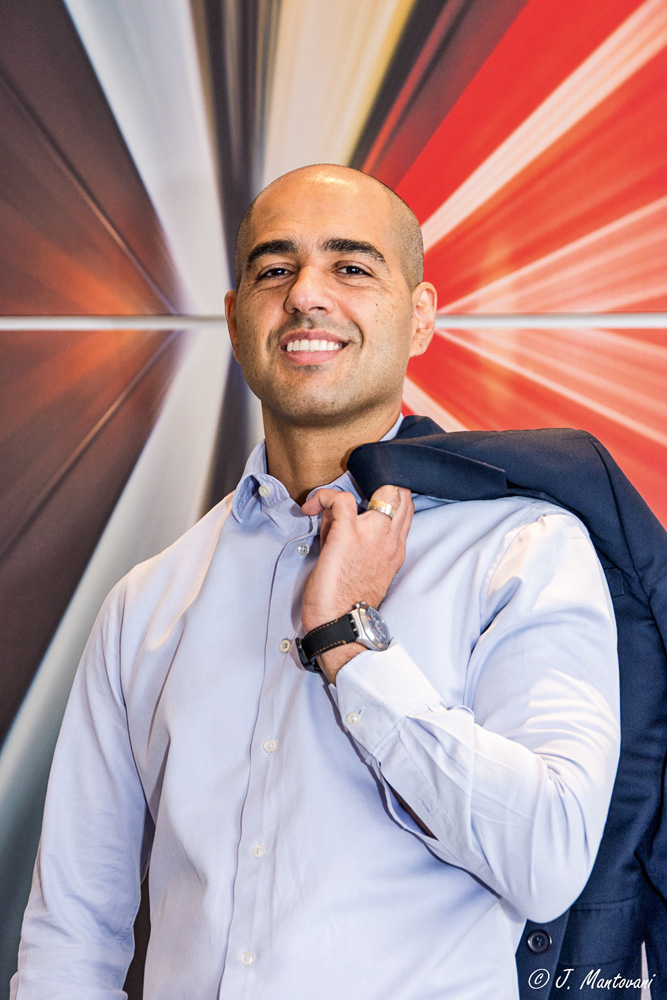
(362, 553)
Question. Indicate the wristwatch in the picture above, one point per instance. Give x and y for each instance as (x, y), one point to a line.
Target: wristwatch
(362, 624)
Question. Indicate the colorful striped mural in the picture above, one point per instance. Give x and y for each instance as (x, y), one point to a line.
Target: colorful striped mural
(530, 138)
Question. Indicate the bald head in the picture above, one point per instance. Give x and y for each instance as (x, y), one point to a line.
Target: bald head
(404, 227)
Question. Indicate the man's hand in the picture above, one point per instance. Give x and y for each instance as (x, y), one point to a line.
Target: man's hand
(359, 557)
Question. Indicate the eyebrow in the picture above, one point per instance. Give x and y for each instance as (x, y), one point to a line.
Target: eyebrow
(336, 244)
(271, 248)
(342, 245)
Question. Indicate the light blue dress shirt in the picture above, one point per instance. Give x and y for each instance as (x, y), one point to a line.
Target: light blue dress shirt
(282, 865)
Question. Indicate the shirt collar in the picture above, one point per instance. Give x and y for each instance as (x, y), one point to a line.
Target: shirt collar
(256, 480)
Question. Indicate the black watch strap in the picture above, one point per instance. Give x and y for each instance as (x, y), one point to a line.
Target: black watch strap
(338, 632)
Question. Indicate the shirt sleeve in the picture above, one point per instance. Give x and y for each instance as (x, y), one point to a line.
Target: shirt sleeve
(77, 935)
(515, 782)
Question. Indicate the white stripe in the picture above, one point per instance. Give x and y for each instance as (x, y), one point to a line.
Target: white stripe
(449, 321)
(180, 322)
(552, 321)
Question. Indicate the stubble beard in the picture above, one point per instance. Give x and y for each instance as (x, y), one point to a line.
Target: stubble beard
(297, 401)
(332, 405)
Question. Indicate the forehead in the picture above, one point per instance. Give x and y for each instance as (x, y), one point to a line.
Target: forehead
(313, 210)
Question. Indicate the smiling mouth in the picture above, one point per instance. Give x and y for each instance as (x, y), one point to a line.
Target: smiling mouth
(314, 346)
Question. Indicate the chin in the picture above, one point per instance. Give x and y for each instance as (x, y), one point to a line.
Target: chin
(313, 416)
(324, 413)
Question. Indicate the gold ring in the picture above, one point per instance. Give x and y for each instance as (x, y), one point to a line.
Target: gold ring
(382, 507)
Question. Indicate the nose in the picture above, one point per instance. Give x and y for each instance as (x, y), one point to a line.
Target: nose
(309, 291)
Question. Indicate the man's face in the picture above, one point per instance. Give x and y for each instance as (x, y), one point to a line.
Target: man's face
(323, 322)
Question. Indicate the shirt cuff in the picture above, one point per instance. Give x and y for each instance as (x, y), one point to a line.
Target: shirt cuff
(375, 691)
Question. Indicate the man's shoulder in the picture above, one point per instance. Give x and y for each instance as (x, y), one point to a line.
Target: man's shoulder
(486, 531)
(512, 510)
(177, 566)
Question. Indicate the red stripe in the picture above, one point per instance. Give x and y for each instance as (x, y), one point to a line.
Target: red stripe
(544, 45)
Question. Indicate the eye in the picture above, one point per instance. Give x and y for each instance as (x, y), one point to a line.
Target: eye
(353, 270)
(277, 271)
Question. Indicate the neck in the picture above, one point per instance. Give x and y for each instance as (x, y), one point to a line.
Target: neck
(303, 458)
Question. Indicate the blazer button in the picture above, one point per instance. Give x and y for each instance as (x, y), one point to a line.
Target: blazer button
(538, 942)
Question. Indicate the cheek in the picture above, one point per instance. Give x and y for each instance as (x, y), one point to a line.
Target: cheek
(247, 353)
(381, 317)
(393, 329)
(248, 331)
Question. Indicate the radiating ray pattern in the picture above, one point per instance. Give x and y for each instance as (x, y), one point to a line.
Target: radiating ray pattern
(611, 383)
(529, 136)
(596, 80)
(75, 413)
(562, 208)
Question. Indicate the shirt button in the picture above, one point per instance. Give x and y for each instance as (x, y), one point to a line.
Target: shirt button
(352, 718)
(270, 746)
(284, 646)
(264, 491)
(303, 548)
(248, 957)
(259, 850)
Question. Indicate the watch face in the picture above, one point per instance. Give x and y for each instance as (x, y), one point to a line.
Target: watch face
(377, 627)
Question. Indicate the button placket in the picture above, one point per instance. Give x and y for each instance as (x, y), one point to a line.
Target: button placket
(292, 570)
(256, 856)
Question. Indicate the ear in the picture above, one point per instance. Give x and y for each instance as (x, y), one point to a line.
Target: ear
(424, 306)
(230, 313)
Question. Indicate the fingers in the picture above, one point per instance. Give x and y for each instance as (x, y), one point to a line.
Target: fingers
(400, 499)
(394, 530)
(342, 505)
(360, 554)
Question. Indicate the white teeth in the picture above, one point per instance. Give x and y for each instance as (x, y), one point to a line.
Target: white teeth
(313, 345)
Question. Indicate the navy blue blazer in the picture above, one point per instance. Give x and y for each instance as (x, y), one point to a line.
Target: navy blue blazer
(625, 900)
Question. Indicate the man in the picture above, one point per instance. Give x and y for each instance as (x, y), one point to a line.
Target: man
(381, 829)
